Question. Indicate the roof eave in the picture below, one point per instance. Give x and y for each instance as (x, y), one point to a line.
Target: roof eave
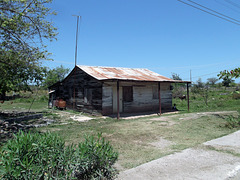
(167, 81)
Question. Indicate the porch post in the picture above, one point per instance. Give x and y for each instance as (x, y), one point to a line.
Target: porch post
(118, 114)
(159, 98)
(188, 95)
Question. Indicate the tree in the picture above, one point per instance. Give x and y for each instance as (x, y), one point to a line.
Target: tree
(202, 89)
(176, 76)
(227, 80)
(235, 73)
(178, 86)
(204, 92)
(17, 76)
(23, 29)
(55, 75)
(200, 84)
(212, 80)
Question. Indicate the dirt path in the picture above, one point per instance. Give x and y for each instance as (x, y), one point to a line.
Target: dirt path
(72, 116)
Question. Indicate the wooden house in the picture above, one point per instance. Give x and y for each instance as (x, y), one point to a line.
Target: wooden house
(110, 90)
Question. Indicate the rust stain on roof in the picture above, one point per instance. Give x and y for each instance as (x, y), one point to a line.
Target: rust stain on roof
(135, 74)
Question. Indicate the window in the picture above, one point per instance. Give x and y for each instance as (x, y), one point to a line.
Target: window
(127, 93)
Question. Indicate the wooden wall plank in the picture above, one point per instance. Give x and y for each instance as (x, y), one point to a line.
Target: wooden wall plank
(88, 92)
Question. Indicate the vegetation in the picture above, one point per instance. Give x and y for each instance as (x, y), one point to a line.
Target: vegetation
(96, 158)
(212, 81)
(59, 155)
(232, 122)
(178, 91)
(55, 75)
(218, 99)
(176, 76)
(140, 140)
(44, 156)
(23, 29)
(227, 81)
(228, 75)
(137, 140)
(235, 73)
(24, 102)
(202, 89)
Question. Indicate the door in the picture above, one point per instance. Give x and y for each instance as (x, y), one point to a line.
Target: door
(115, 99)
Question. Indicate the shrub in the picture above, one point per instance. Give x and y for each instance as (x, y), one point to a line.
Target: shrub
(232, 122)
(178, 92)
(97, 157)
(43, 98)
(44, 156)
(32, 156)
(194, 89)
(236, 95)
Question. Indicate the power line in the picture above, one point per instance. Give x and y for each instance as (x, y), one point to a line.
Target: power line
(208, 74)
(209, 12)
(213, 10)
(205, 74)
(233, 3)
(227, 6)
(195, 67)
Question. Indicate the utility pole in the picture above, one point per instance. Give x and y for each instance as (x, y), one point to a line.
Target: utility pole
(74, 73)
(76, 47)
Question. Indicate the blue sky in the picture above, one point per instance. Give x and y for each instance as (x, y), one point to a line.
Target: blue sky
(165, 36)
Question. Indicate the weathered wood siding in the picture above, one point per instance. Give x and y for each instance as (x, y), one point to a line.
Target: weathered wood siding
(88, 92)
(107, 99)
(145, 97)
(92, 95)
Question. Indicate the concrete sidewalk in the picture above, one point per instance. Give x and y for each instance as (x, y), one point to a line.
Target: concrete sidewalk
(194, 163)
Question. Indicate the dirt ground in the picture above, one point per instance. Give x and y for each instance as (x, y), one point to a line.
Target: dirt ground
(74, 117)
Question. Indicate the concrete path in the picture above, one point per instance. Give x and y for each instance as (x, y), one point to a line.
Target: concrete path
(230, 142)
(194, 163)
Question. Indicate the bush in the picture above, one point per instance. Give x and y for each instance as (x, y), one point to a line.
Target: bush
(97, 159)
(43, 98)
(194, 89)
(44, 156)
(32, 156)
(232, 122)
(236, 95)
(178, 92)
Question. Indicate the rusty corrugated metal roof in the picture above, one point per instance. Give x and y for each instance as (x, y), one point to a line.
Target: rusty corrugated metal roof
(135, 74)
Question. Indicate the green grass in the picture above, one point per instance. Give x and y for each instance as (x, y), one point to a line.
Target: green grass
(132, 138)
(218, 100)
(40, 102)
(23, 106)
